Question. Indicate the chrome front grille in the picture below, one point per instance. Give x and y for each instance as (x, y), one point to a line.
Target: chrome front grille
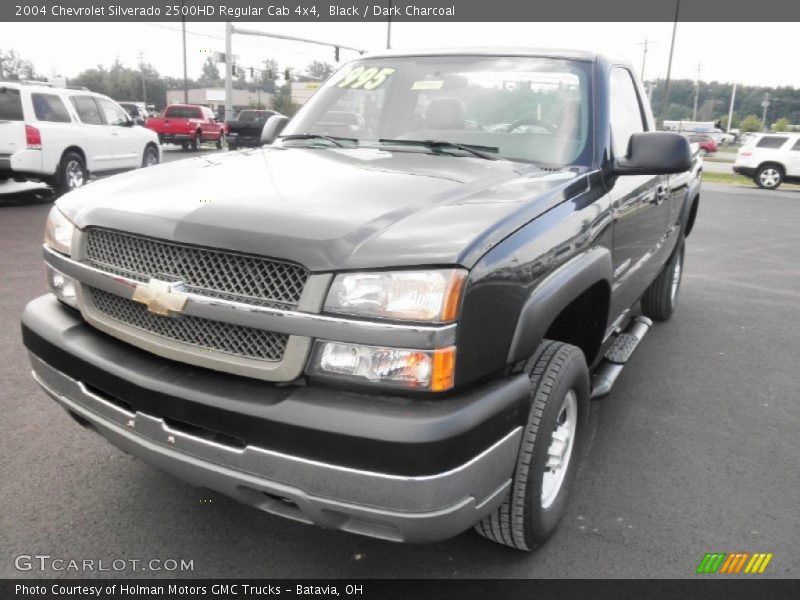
(203, 333)
(215, 273)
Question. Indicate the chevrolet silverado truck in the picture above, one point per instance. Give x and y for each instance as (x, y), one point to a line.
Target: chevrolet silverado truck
(396, 334)
(187, 125)
(245, 129)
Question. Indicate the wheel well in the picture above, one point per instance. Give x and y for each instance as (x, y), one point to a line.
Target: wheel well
(768, 163)
(583, 322)
(76, 150)
(692, 216)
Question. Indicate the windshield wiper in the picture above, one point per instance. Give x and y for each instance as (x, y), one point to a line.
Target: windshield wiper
(474, 149)
(336, 141)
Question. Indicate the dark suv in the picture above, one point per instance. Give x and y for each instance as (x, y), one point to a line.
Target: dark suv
(396, 332)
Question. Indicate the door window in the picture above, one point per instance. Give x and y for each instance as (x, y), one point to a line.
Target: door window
(49, 107)
(113, 114)
(626, 111)
(771, 141)
(10, 104)
(796, 145)
(87, 110)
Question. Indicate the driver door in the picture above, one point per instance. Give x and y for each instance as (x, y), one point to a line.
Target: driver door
(641, 205)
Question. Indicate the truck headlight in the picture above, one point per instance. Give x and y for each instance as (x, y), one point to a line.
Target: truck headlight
(426, 296)
(431, 370)
(58, 232)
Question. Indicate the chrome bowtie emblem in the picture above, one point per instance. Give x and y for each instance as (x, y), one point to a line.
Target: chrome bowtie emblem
(162, 298)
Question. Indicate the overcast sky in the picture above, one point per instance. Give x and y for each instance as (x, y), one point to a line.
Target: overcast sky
(750, 53)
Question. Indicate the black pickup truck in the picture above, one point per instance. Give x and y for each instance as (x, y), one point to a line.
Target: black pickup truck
(396, 334)
(245, 129)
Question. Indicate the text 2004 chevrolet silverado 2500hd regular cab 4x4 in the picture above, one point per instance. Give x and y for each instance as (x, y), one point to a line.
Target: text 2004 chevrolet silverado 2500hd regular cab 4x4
(397, 333)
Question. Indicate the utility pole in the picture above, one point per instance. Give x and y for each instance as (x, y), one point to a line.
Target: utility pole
(730, 110)
(185, 77)
(644, 56)
(665, 99)
(228, 71)
(696, 91)
(765, 105)
(144, 86)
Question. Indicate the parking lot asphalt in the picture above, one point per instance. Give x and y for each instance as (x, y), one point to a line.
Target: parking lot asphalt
(695, 451)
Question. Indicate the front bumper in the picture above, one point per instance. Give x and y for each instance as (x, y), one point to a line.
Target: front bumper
(327, 490)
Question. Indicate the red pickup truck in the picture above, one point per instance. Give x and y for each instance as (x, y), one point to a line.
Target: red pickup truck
(187, 125)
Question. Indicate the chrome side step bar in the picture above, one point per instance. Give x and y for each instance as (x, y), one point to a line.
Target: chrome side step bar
(614, 361)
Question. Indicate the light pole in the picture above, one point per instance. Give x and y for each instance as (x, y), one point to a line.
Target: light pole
(696, 92)
(665, 99)
(765, 105)
(144, 86)
(730, 110)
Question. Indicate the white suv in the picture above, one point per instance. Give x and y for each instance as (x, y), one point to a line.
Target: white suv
(770, 159)
(60, 136)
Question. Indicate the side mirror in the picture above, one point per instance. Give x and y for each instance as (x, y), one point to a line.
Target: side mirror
(138, 121)
(655, 153)
(272, 129)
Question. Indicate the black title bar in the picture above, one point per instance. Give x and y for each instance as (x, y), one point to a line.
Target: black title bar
(277, 11)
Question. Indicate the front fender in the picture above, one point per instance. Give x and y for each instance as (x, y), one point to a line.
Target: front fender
(557, 291)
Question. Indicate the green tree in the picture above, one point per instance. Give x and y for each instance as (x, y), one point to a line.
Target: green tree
(781, 124)
(123, 83)
(13, 67)
(750, 124)
(210, 76)
(723, 121)
(319, 70)
(677, 112)
(267, 75)
(282, 100)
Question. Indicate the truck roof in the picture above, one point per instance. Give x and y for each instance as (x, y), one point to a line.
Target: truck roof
(582, 55)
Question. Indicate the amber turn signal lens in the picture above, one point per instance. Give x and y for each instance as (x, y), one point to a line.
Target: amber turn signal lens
(444, 369)
(452, 299)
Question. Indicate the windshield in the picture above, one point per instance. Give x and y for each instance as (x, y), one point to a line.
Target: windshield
(183, 112)
(520, 108)
(254, 115)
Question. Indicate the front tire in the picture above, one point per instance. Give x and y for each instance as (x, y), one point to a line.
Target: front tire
(549, 452)
(71, 174)
(769, 177)
(661, 298)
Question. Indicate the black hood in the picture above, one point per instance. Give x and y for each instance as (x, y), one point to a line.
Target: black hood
(328, 209)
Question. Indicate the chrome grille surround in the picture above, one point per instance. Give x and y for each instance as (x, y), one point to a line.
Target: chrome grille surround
(204, 333)
(208, 272)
